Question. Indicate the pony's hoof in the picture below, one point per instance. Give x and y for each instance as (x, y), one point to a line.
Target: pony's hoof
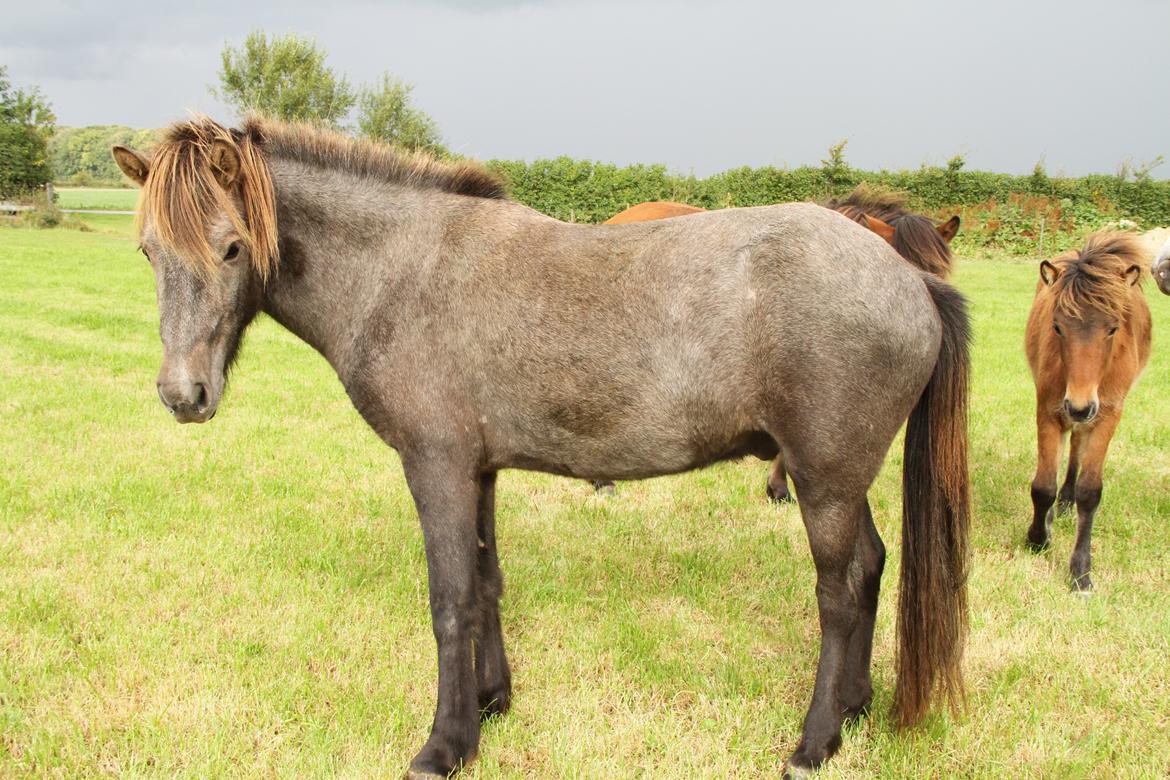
(779, 496)
(1082, 586)
(604, 488)
(798, 772)
(414, 774)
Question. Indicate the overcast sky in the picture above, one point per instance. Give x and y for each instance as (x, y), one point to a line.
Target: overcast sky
(700, 86)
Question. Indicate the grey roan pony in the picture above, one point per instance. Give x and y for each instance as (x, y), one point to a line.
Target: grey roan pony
(475, 334)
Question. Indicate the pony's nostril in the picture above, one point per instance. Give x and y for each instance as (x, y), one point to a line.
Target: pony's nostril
(200, 396)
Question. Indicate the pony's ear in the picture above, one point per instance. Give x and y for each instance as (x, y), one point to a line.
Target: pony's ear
(949, 228)
(133, 164)
(1133, 274)
(225, 163)
(1048, 272)
(881, 228)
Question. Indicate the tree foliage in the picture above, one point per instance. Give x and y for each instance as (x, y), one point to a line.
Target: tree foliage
(284, 77)
(385, 113)
(26, 123)
(81, 155)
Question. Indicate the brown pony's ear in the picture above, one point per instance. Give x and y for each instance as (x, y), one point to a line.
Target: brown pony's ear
(1133, 274)
(949, 228)
(133, 164)
(881, 228)
(1048, 272)
(225, 163)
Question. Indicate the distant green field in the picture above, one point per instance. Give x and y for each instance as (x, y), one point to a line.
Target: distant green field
(248, 598)
(94, 198)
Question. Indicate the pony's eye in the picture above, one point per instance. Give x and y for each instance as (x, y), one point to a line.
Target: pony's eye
(1112, 330)
(1056, 328)
(145, 254)
(233, 251)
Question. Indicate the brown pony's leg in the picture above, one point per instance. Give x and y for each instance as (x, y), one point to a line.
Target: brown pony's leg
(1088, 495)
(493, 678)
(447, 495)
(857, 688)
(1068, 489)
(1048, 439)
(778, 482)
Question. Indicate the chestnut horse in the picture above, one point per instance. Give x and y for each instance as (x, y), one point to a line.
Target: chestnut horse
(474, 335)
(1087, 341)
(914, 236)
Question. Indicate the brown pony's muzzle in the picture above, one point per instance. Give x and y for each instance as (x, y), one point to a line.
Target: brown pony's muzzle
(1080, 414)
(188, 401)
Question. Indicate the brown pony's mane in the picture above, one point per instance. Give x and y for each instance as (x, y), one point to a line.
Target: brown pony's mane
(915, 236)
(1095, 276)
(182, 191)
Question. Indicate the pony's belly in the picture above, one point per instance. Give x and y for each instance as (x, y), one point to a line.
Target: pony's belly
(636, 456)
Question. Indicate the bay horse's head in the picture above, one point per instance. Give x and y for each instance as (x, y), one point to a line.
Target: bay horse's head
(207, 224)
(1091, 300)
(913, 236)
(1161, 268)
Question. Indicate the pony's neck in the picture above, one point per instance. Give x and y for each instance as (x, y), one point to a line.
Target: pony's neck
(337, 256)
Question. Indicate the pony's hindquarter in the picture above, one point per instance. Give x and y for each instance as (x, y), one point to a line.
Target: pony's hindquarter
(932, 603)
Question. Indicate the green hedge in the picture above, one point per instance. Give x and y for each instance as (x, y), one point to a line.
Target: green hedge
(1034, 214)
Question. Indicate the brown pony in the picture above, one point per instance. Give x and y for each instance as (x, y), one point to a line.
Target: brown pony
(1087, 341)
(913, 236)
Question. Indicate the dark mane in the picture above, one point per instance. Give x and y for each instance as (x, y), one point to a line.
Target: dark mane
(865, 200)
(1095, 276)
(315, 146)
(916, 238)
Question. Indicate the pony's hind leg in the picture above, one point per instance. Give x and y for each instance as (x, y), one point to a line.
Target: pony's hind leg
(833, 524)
(1068, 490)
(1048, 440)
(492, 676)
(777, 488)
(857, 687)
(1088, 496)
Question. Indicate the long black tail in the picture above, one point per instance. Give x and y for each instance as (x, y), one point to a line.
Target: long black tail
(936, 515)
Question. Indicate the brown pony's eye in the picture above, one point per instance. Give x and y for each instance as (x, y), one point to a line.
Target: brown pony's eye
(1056, 328)
(232, 252)
(1112, 330)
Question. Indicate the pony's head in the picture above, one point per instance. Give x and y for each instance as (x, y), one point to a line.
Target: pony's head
(913, 236)
(1091, 299)
(1161, 268)
(207, 223)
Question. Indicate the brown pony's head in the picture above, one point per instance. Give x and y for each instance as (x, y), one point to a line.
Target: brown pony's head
(207, 223)
(913, 236)
(1091, 299)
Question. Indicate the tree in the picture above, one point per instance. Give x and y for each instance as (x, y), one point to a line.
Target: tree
(26, 122)
(385, 114)
(285, 77)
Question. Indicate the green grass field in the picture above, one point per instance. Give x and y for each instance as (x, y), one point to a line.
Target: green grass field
(97, 198)
(248, 598)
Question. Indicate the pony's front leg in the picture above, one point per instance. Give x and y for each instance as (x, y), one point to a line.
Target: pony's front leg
(1068, 490)
(1048, 439)
(447, 493)
(1088, 496)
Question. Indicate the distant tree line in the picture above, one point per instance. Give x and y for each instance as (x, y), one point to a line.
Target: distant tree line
(26, 123)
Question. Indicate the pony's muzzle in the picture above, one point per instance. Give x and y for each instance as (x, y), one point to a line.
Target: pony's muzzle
(1080, 414)
(1161, 273)
(187, 401)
